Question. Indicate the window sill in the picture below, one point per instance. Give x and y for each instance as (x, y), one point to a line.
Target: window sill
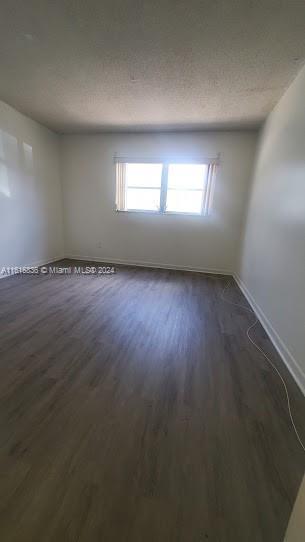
(167, 213)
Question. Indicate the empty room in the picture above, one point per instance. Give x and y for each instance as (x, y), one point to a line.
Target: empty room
(152, 271)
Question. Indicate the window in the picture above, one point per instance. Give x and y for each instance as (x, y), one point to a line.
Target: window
(164, 187)
(185, 187)
(143, 186)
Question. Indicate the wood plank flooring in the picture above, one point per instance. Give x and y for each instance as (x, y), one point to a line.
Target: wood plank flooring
(133, 408)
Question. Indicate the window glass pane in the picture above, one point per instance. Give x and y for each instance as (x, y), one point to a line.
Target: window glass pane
(145, 199)
(186, 176)
(184, 201)
(148, 175)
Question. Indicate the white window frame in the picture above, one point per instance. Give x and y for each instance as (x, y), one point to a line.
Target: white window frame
(207, 191)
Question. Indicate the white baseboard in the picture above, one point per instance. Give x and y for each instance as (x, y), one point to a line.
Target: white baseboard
(287, 357)
(153, 265)
(33, 264)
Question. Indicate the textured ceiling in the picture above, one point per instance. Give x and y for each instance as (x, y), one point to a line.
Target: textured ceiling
(94, 65)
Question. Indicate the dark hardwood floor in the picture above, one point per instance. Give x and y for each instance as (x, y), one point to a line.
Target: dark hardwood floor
(133, 408)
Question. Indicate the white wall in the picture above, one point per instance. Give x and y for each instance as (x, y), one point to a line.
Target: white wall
(30, 192)
(94, 230)
(272, 264)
